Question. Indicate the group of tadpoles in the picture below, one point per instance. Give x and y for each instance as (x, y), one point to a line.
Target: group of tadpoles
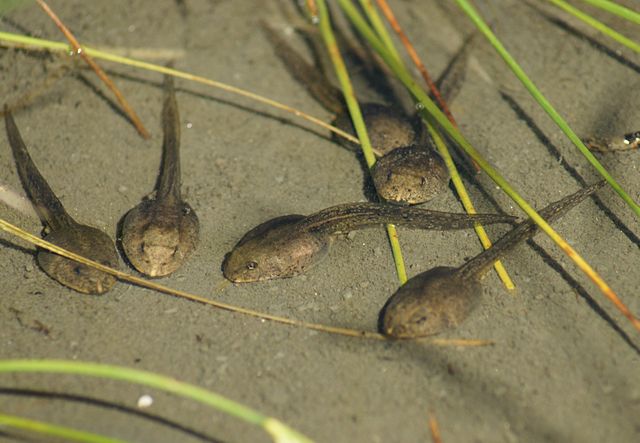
(161, 232)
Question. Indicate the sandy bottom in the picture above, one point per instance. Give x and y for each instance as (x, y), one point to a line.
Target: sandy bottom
(565, 363)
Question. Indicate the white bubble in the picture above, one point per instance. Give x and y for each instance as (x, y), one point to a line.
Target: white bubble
(145, 401)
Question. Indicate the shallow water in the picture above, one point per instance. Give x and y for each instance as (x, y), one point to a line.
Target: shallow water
(560, 370)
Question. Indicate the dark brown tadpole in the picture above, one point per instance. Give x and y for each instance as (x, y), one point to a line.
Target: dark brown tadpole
(443, 297)
(287, 246)
(410, 175)
(160, 233)
(413, 176)
(61, 229)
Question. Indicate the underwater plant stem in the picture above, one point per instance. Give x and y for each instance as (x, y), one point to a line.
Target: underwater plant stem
(77, 49)
(378, 26)
(152, 380)
(616, 9)
(31, 42)
(606, 30)
(431, 111)
(466, 202)
(391, 18)
(434, 428)
(52, 430)
(543, 102)
(358, 122)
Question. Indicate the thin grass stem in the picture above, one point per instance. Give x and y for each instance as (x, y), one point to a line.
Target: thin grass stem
(97, 69)
(167, 384)
(543, 102)
(616, 9)
(606, 30)
(31, 42)
(52, 430)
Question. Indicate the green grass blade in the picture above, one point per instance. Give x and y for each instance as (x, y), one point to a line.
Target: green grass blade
(378, 26)
(54, 430)
(616, 9)
(544, 103)
(596, 24)
(157, 381)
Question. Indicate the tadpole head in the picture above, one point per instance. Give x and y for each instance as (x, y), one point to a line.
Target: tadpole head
(88, 242)
(157, 240)
(274, 249)
(410, 175)
(430, 303)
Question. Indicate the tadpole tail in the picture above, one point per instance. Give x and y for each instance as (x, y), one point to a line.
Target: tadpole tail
(352, 216)
(482, 262)
(304, 73)
(169, 179)
(452, 78)
(45, 202)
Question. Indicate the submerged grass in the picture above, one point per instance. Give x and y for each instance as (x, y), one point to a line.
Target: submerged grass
(126, 107)
(616, 9)
(52, 430)
(543, 102)
(606, 30)
(24, 41)
(278, 431)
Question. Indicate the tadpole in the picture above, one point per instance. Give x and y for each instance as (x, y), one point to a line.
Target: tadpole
(288, 245)
(443, 297)
(61, 229)
(160, 233)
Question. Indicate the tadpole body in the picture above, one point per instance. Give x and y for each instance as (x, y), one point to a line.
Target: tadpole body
(160, 233)
(287, 246)
(443, 297)
(61, 229)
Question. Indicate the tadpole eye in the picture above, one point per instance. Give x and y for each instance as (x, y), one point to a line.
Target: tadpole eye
(420, 320)
(252, 265)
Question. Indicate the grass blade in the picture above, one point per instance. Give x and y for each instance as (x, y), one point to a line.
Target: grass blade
(616, 9)
(606, 30)
(54, 430)
(543, 102)
(97, 69)
(279, 431)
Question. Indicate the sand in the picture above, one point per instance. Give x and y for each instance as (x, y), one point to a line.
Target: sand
(565, 363)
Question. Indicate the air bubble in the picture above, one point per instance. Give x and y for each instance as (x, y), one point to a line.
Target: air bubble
(145, 401)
